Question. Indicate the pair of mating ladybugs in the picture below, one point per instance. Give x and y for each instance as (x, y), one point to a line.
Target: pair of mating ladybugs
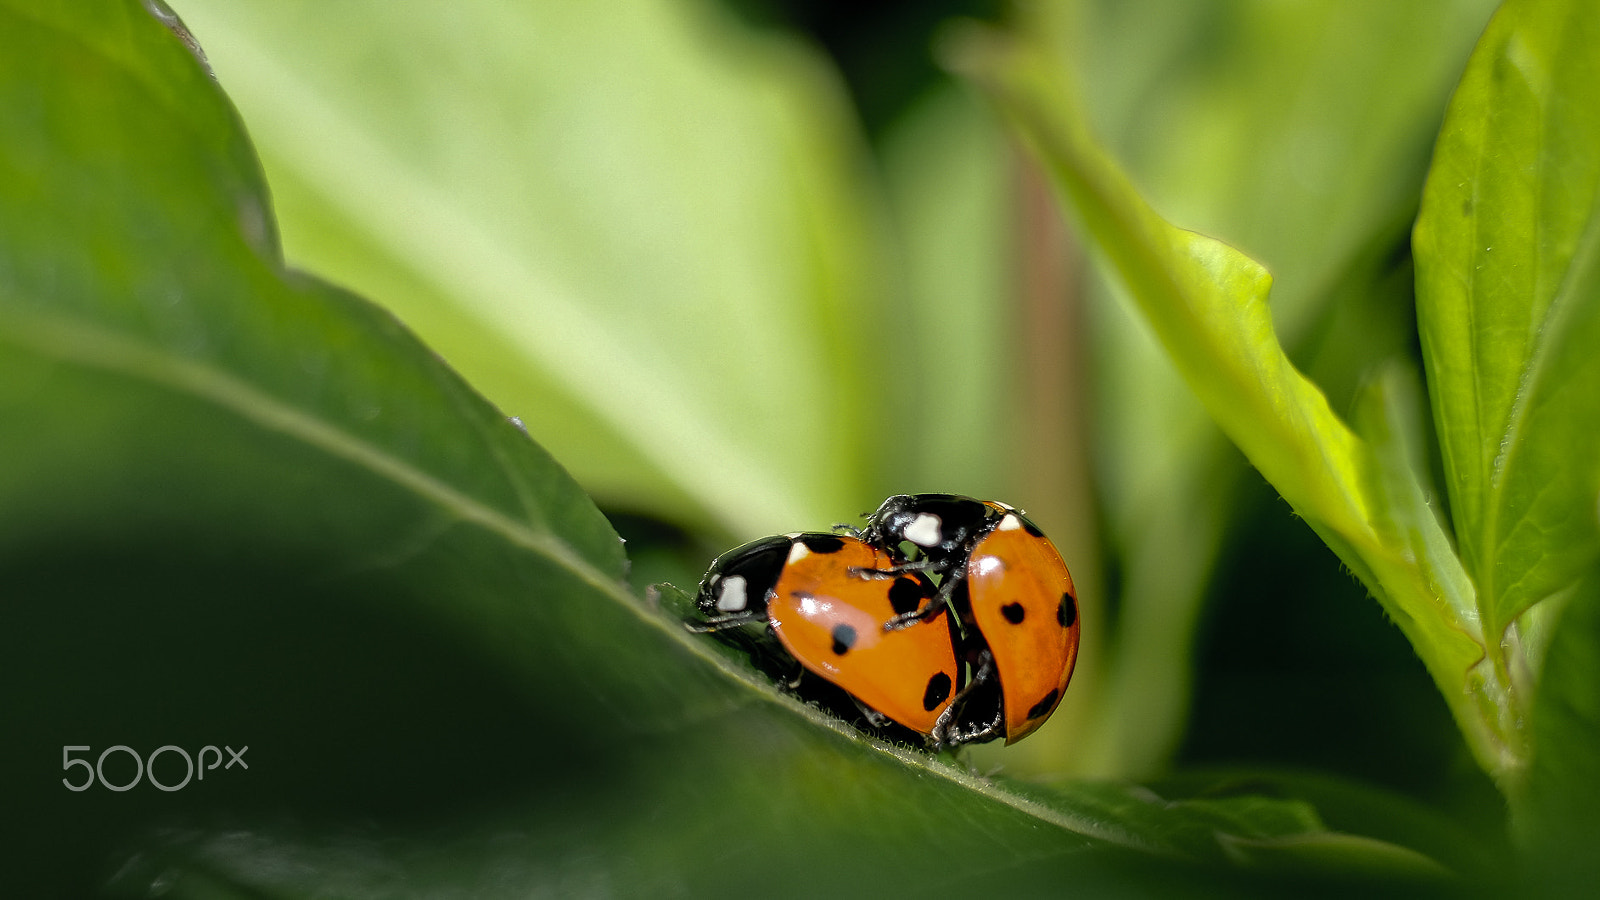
(950, 618)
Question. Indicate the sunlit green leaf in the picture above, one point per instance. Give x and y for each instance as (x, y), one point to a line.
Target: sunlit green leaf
(1508, 283)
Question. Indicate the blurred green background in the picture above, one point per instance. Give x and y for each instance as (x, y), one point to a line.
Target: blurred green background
(785, 265)
(748, 267)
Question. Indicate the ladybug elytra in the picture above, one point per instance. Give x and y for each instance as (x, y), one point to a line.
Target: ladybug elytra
(830, 621)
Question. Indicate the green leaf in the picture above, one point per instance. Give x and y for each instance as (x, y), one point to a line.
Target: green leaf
(1508, 303)
(1207, 303)
(1387, 413)
(1353, 809)
(569, 206)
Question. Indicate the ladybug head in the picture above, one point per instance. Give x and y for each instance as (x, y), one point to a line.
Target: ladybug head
(938, 527)
(738, 581)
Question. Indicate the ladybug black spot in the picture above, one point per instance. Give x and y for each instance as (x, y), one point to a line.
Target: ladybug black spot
(905, 595)
(938, 690)
(1043, 707)
(844, 637)
(1014, 613)
(1030, 528)
(823, 543)
(1067, 612)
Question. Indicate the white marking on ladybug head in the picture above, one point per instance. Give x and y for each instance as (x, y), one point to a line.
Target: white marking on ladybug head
(925, 530)
(1009, 523)
(798, 551)
(733, 597)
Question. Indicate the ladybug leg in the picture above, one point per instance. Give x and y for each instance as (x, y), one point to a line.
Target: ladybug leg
(926, 611)
(723, 623)
(873, 717)
(851, 530)
(921, 565)
(952, 580)
(933, 607)
(796, 676)
(947, 731)
(979, 734)
(939, 601)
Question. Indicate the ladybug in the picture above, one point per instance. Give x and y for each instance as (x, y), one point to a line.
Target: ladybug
(1005, 581)
(806, 590)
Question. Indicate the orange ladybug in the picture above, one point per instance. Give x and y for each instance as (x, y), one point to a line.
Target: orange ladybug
(1008, 585)
(805, 591)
